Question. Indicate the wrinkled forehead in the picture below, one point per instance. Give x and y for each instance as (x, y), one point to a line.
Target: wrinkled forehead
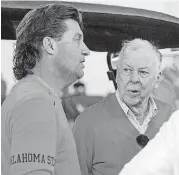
(144, 56)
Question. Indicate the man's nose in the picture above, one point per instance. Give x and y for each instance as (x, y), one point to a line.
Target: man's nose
(134, 77)
(85, 51)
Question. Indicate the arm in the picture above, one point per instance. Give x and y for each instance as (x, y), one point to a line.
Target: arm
(33, 137)
(160, 153)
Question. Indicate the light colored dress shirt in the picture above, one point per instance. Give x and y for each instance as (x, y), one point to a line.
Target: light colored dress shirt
(140, 127)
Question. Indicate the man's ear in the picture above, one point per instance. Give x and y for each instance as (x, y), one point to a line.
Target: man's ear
(117, 74)
(49, 45)
(159, 78)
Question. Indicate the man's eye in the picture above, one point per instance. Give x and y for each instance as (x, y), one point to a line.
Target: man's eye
(144, 73)
(77, 39)
(127, 71)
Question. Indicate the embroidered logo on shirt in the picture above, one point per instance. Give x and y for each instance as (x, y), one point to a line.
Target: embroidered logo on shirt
(32, 157)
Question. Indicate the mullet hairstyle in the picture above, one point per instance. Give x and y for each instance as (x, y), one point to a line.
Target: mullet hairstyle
(46, 20)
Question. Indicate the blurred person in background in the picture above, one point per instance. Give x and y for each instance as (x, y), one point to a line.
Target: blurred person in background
(168, 90)
(77, 102)
(176, 79)
(79, 97)
(49, 56)
(79, 88)
(161, 155)
(3, 90)
(110, 133)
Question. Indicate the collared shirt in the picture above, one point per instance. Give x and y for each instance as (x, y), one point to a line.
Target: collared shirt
(106, 139)
(140, 127)
(35, 132)
(161, 155)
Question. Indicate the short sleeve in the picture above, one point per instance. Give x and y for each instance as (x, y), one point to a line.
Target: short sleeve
(33, 136)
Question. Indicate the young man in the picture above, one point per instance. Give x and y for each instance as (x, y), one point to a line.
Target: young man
(49, 55)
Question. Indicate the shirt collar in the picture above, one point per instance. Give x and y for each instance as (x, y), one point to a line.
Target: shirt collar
(124, 107)
(153, 108)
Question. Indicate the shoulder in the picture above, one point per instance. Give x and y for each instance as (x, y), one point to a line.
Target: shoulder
(164, 110)
(163, 106)
(29, 87)
(25, 90)
(27, 95)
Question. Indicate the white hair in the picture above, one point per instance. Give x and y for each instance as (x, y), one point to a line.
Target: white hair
(136, 44)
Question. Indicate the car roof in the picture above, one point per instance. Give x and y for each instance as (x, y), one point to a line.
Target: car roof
(105, 26)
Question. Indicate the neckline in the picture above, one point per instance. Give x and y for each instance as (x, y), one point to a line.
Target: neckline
(41, 81)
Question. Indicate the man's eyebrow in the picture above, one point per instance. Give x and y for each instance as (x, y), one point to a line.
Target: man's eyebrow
(144, 68)
(128, 65)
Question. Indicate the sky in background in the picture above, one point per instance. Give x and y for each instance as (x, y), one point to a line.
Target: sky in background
(95, 78)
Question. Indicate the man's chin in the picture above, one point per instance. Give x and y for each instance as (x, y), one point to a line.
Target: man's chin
(131, 102)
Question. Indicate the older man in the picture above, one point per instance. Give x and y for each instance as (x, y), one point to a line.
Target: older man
(112, 132)
(49, 55)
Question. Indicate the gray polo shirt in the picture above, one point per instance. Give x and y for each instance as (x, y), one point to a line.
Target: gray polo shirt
(35, 132)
